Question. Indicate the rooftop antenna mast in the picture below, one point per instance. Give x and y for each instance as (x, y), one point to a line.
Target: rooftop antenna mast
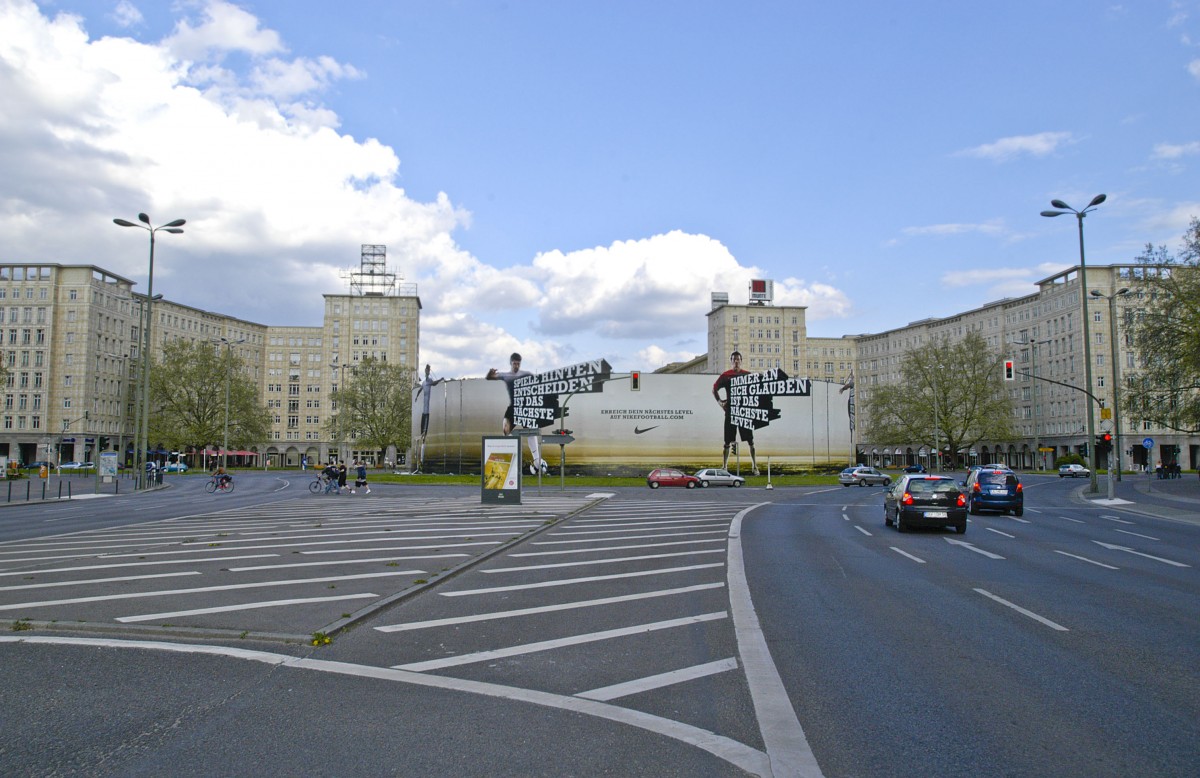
(372, 278)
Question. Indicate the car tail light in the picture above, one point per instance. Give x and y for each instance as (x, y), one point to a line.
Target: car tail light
(962, 500)
(1020, 488)
(907, 499)
(976, 487)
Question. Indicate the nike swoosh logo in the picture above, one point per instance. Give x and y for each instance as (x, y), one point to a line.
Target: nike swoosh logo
(637, 431)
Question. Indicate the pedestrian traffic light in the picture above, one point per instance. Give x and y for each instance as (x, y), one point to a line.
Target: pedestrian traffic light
(1008, 370)
(635, 381)
(1108, 437)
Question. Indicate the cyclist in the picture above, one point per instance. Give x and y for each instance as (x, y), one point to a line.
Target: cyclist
(331, 478)
(222, 478)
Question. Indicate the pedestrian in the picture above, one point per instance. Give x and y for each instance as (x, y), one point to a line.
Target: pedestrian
(360, 480)
(331, 477)
(341, 476)
(303, 464)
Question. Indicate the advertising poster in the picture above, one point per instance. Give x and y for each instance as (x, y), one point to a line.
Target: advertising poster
(501, 476)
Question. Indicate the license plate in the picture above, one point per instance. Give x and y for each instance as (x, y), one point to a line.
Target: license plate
(1000, 492)
(935, 514)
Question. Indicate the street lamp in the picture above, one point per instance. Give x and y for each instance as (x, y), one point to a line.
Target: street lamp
(337, 419)
(1116, 388)
(1063, 208)
(229, 344)
(172, 227)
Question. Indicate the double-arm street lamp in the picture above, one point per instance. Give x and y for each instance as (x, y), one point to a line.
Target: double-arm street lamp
(144, 432)
(1063, 208)
(337, 419)
(229, 344)
(1116, 386)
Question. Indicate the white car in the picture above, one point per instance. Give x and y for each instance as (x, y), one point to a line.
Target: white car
(718, 477)
(1074, 471)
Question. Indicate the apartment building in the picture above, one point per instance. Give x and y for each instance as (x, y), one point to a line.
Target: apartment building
(71, 337)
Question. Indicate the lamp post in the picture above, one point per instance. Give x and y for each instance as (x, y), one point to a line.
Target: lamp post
(337, 419)
(229, 344)
(1116, 388)
(1063, 208)
(172, 227)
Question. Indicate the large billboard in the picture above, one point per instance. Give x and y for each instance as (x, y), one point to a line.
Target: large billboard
(670, 420)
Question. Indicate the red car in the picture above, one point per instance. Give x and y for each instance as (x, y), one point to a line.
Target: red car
(669, 476)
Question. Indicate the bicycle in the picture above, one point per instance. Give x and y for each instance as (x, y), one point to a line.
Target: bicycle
(318, 484)
(219, 484)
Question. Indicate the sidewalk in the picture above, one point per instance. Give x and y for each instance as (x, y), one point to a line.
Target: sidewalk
(1171, 498)
(22, 491)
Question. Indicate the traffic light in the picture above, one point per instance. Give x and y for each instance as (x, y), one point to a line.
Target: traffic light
(103, 444)
(1009, 373)
(635, 381)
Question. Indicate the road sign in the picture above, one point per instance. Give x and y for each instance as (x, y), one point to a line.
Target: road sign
(1148, 443)
(1106, 413)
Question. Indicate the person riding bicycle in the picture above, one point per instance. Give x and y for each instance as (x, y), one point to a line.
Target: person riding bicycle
(330, 474)
(222, 477)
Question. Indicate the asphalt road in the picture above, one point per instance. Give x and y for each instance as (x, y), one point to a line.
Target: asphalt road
(702, 632)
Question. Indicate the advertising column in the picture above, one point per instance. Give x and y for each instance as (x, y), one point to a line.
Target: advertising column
(501, 479)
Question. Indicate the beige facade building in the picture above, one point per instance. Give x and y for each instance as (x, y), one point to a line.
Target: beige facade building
(71, 337)
(1041, 332)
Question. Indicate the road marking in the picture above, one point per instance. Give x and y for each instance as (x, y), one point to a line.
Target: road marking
(1068, 518)
(136, 564)
(616, 548)
(902, 552)
(1128, 550)
(1023, 521)
(787, 746)
(659, 681)
(630, 537)
(998, 532)
(588, 562)
(328, 562)
(1135, 534)
(549, 645)
(745, 758)
(863, 531)
(970, 547)
(628, 530)
(244, 607)
(1119, 521)
(400, 548)
(199, 590)
(96, 581)
(1085, 559)
(1023, 611)
(544, 608)
(586, 579)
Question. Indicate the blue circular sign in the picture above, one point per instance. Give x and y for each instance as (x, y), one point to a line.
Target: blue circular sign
(1148, 443)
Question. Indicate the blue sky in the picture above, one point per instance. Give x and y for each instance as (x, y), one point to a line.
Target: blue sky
(573, 179)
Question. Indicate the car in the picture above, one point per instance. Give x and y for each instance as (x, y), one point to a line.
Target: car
(1073, 471)
(996, 466)
(39, 465)
(176, 467)
(78, 466)
(994, 489)
(863, 476)
(925, 501)
(916, 468)
(669, 476)
(717, 477)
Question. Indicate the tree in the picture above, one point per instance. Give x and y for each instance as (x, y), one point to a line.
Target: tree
(1166, 333)
(375, 406)
(951, 391)
(187, 395)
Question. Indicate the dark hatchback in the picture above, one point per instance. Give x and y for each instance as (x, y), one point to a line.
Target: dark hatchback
(995, 490)
(925, 501)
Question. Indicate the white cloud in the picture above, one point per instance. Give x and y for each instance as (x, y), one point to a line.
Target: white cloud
(126, 14)
(1040, 145)
(1175, 151)
(993, 227)
(224, 28)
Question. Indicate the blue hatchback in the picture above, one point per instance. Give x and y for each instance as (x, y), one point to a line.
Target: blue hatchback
(995, 490)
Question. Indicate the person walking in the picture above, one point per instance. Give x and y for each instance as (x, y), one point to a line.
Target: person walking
(360, 476)
(341, 476)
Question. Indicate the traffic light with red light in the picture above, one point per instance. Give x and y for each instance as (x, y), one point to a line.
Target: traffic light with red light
(635, 381)
(1009, 372)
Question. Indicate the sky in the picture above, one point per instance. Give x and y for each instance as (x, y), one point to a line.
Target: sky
(573, 179)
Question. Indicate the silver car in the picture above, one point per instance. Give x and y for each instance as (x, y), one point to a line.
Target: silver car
(863, 476)
(1074, 471)
(718, 477)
